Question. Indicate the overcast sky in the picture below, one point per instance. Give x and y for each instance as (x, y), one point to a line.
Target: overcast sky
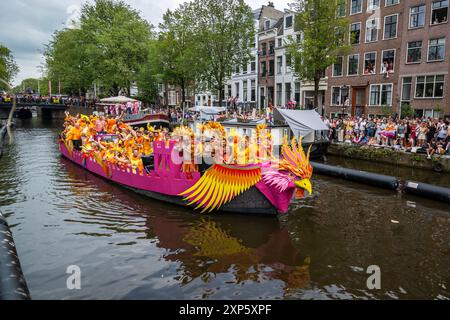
(26, 25)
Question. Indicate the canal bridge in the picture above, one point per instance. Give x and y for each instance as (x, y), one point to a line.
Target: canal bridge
(44, 109)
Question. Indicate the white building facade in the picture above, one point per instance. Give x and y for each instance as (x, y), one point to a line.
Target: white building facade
(289, 90)
(242, 88)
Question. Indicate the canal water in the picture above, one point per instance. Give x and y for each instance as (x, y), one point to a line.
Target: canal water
(130, 247)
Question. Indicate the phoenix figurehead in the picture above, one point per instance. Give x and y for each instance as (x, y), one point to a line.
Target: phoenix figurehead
(293, 167)
(278, 180)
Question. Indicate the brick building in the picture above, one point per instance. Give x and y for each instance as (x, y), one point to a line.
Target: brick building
(424, 64)
(367, 79)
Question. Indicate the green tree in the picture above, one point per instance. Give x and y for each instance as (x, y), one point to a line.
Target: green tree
(322, 28)
(225, 33)
(178, 59)
(149, 76)
(109, 48)
(116, 42)
(67, 61)
(386, 111)
(36, 85)
(8, 67)
(407, 111)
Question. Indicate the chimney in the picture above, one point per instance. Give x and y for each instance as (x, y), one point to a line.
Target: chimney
(271, 4)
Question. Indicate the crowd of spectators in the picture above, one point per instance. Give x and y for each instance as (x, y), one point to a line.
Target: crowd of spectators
(421, 135)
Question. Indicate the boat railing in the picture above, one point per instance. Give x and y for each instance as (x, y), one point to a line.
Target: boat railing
(164, 165)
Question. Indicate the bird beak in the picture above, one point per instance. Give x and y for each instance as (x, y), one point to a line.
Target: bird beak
(305, 185)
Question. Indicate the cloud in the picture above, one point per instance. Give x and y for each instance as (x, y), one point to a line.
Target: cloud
(27, 25)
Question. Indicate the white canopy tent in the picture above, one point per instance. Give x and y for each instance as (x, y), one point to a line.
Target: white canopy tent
(208, 113)
(303, 123)
(119, 99)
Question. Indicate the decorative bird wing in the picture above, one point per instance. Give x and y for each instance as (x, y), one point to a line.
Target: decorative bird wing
(295, 160)
(68, 147)
(278, 180)
(220, 184)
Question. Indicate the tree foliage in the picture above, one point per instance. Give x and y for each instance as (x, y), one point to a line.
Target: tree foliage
(34, 85)
(67, 61)
(226, 32)
(149, 75)
(109, 48)
(8, 67)
(322, 39)
(177, 56)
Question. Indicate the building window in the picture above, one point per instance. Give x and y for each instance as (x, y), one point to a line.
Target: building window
(253, 66)
(280, 42)
(386, 95)
(430, 86)
(374, 95)
(288, 60)
(297, 93)
(253, 90)
(267, 25)
(264, 49)
(381, 95)
(263, 68)
(370, 59)
(436, 49)
(388, 62)
(414, 52)
(279, 94)
(390, 26)
(372, 30)
(336, 96)
(288, 92)
(340, 38)
(417, 17)
(355, 33)
(341, 8)
(244, 68)
(406, 89)
(391, 2)
(338, 67)
(279, 64)
(372, 5)
(289, 22)
(356, 6)
(271, 68)
(353, 64)
(245, 89)
(237, 87)
(272, 47)
(439, 11)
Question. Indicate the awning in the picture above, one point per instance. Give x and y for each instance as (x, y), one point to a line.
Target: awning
(301, 122)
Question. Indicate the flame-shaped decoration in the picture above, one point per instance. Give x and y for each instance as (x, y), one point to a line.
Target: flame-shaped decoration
(295, 160)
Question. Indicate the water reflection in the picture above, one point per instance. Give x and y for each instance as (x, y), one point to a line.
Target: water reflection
(246, 248)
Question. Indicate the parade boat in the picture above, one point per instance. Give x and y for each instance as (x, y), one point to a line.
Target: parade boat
(264, 188)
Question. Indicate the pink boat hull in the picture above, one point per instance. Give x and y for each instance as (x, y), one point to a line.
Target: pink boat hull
(167, 181)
